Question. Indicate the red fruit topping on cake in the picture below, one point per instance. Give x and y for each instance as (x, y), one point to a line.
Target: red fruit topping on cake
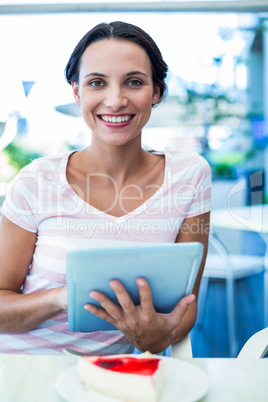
(128, 364)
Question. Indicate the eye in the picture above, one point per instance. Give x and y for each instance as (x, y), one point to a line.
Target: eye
(134, 83)
(96, 83)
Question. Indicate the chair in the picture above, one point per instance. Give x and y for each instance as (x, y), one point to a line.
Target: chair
(256, 346)
(182, 349)
(229, 267)
(179, 350)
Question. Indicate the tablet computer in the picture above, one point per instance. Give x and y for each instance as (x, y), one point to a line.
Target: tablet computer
(169, 268)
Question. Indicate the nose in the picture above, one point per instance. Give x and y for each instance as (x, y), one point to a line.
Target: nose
(115, 98)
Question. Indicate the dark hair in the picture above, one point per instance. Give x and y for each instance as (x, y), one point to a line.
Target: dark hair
(123, 31)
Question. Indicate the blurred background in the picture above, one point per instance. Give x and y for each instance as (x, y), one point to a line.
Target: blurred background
(217, 103)
(218, 87)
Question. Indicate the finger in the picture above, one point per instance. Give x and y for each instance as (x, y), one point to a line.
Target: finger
(123, 298)
(179, 311)
(99, 312)
(146, 299)
(110, 307)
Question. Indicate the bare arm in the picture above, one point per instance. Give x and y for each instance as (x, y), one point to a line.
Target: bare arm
(19, 312)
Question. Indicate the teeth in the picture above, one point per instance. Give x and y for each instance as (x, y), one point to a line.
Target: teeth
(114, 119)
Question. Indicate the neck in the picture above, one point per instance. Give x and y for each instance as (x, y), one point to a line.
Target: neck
(121, 163)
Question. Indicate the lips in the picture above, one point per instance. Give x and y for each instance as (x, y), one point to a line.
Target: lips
(116, 119)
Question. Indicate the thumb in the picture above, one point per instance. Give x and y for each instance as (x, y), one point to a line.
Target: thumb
(186, 300)
(183, 305)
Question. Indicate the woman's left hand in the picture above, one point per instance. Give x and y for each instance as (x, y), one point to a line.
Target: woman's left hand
(142, 325)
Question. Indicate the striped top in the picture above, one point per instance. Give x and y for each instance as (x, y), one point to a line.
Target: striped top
(41, 200)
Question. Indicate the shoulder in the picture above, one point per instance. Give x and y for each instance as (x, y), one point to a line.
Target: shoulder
(48, 168)
(47, 163)
(38, 172)
(183, 160)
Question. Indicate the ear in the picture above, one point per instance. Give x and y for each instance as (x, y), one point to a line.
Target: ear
(76, 93)
(156, 94)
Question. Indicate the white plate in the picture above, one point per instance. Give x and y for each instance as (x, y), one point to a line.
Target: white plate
(185, 383)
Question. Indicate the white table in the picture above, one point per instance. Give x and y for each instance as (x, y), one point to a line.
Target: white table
(252, 218)
(31, 378)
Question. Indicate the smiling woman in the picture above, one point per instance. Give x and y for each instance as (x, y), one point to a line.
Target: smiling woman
(110, 193)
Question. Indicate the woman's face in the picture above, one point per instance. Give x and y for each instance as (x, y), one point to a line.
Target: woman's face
(115, 90)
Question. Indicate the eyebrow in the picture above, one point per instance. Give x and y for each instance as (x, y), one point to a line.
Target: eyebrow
(94, 74)
(136, 73)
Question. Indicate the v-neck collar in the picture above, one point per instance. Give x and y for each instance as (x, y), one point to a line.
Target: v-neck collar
(101, 214)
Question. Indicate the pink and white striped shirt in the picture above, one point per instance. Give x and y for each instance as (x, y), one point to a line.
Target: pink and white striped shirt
(41, 200)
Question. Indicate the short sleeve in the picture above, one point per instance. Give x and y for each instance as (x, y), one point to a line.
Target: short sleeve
(21, 199)
(201, 202)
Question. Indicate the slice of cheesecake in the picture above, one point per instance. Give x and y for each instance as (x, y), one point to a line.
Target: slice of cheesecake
(126, 377)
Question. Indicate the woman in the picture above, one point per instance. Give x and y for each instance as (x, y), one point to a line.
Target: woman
(110, 193)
